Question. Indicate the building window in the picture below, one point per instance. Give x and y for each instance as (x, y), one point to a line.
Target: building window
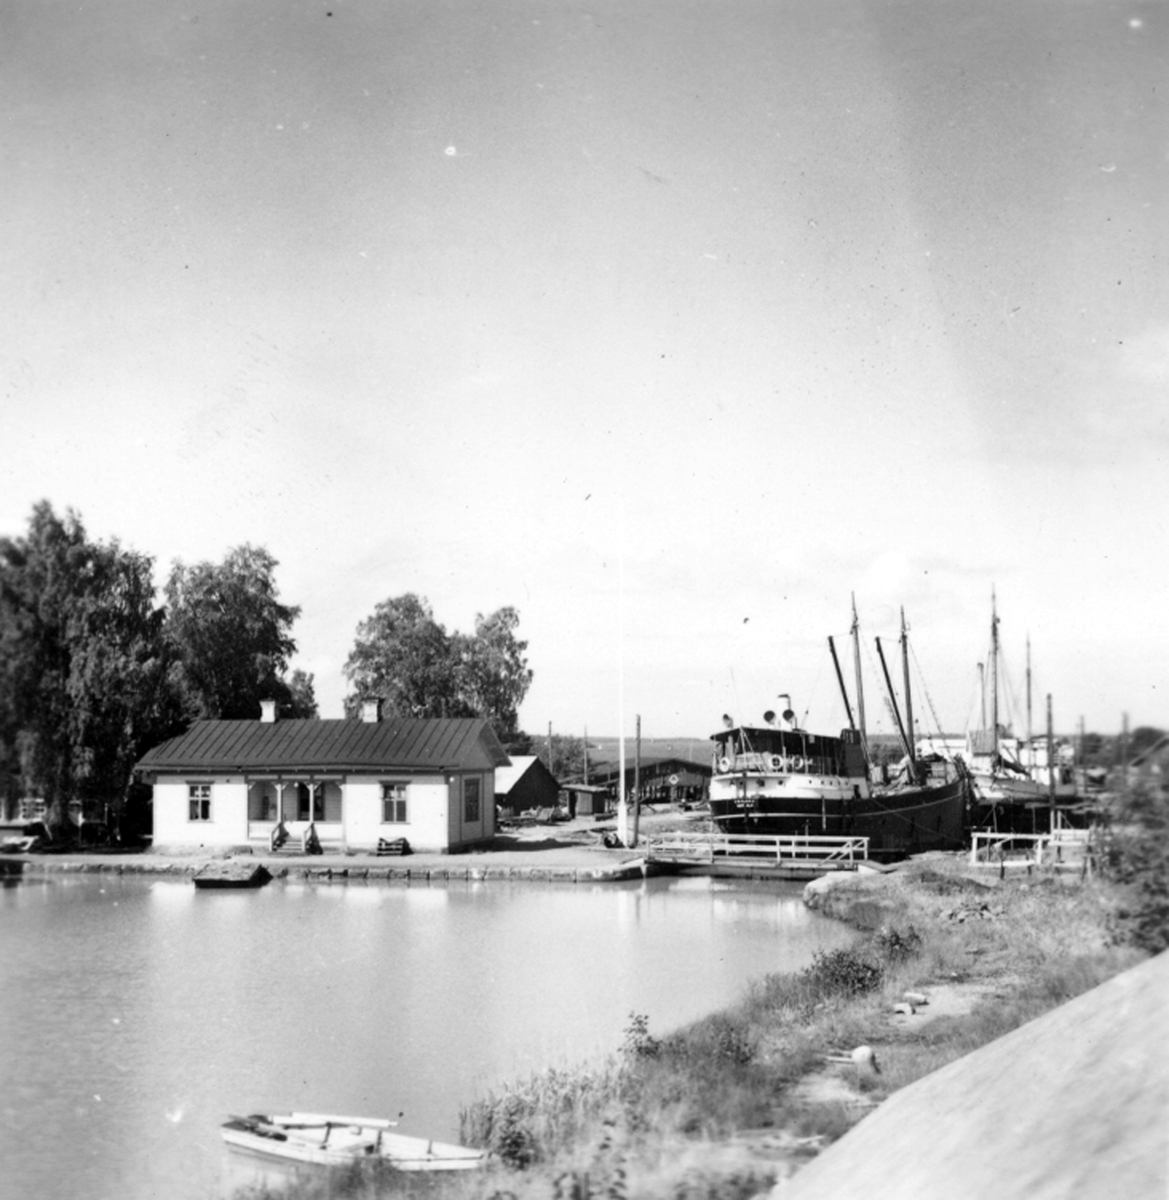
(199, 800)
(470, 800)
(394, 804)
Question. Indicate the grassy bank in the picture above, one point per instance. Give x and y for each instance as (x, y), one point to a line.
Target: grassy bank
(721, 1108)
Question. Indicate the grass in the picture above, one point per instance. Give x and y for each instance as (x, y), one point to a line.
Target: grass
(720, 1109)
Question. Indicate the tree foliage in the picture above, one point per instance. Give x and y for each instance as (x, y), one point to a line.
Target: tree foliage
(93, 671)
(230, 635)
(405, 658)
(568, 755)
(82, 662)
(494, 673)
(302, 697)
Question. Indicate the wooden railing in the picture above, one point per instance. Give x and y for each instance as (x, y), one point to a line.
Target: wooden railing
(988, 848)
(796, 849)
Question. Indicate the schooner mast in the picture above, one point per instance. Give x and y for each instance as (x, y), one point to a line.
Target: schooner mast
(860, 687)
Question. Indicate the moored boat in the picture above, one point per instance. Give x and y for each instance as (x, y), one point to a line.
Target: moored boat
(773, 779)
(325, 1140)
(1017, 783)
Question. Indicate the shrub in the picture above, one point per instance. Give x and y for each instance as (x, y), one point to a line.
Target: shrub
(513, 1140)
(842, 973)
(639, 1043)
(1137, 857)
(896, 945)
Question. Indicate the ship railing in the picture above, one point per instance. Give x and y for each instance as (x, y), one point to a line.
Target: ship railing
(783, 849)
(773, 764)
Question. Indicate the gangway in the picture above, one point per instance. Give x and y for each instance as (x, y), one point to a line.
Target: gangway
(796, 856)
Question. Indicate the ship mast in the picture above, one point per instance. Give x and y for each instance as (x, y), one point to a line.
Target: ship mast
(893, 703)
(994, 680)
(908, 693)
(840, 681)
(860, 690)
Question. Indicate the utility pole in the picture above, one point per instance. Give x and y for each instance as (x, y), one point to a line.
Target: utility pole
(636, 782)
(1050, 763)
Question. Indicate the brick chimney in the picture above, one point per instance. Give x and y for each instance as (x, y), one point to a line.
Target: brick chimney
(369, 711)
(268, 711)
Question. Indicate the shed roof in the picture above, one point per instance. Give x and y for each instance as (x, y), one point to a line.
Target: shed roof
(396, 743)
(522, 766)
(507, 777)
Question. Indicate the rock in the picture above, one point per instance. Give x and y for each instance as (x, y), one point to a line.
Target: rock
(1074, 1103)
(865, 1057)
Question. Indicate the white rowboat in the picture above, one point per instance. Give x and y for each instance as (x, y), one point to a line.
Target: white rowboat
(328, 1140)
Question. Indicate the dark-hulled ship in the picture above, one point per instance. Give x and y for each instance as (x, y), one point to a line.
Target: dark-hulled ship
(773, 779)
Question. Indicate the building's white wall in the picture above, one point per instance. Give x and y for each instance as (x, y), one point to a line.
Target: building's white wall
(426, 806)
(435, 808)
(229, 813)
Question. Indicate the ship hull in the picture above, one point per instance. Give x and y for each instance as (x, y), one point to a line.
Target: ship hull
(897, 822)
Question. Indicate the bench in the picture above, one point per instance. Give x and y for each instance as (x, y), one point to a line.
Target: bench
(392, 846)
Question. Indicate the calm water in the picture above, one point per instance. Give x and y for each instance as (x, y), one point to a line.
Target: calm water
(136, 1014)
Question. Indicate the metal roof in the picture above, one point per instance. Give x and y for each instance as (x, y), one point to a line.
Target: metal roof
(507, 777)
(395, 743)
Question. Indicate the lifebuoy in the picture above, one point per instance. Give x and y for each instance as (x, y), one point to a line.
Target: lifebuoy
(724, 765)
(798, 763)
(776, 762)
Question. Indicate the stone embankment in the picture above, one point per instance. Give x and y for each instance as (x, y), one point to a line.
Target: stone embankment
(562, 854)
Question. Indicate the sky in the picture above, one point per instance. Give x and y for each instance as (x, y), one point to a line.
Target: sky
(674, 325)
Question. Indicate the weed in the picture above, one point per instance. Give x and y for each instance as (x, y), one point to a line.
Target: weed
(897, 945)
(514, 1142)
(639, 1043)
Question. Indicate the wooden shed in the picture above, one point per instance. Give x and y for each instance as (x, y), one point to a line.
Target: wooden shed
(525, 785)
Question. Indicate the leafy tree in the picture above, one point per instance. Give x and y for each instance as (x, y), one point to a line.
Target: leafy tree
(494, 674)
(1094, 750)
(302, 697)
(82, 663)
(1142, 738)
(230, 635)
(568, 755)
(405, 658)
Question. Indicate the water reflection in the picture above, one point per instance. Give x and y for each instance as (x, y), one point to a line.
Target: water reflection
(140, 1013)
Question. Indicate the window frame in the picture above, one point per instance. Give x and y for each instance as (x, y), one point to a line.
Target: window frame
(472, 800)
(199, 801)
(401, 787)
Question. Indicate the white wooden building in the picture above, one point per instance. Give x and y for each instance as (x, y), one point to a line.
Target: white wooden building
(356, 782)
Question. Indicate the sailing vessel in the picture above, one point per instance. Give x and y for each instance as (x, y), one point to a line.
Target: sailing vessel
(1008, 793)
(773, 779)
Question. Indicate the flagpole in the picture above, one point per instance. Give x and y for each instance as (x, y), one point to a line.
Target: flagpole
(622, 807)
